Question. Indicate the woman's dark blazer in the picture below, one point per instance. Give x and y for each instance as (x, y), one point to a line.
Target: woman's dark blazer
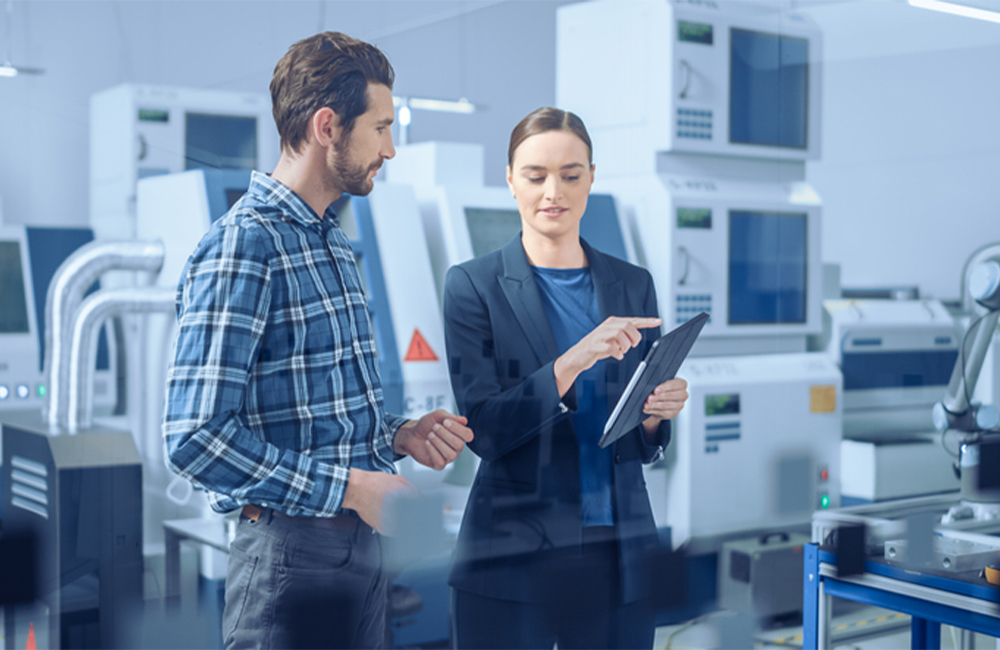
(523, 516)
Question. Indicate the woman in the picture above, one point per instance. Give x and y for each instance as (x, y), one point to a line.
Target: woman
(542, 337)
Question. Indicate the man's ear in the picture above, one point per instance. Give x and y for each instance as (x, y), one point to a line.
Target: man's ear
(324, 127)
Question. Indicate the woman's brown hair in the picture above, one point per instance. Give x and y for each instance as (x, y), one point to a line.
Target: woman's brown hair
(543, 120)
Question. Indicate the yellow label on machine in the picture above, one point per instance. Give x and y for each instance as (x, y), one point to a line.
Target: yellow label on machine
(822, 399)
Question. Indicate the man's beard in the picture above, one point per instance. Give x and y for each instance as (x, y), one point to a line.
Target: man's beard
(346, 175)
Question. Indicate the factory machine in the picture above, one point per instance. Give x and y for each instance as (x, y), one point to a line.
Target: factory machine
(896, 358)
(138, 131)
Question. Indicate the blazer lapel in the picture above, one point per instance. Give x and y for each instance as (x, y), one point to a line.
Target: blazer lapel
(521, 291)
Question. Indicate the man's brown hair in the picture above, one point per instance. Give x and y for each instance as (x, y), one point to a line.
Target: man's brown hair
(328, 70)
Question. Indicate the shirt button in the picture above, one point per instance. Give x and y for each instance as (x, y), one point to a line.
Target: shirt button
(618, 458)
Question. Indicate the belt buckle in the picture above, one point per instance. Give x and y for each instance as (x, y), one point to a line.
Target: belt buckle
(253, 513)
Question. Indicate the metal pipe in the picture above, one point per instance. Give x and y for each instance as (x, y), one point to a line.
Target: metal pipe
(71, 280)
(92, 313)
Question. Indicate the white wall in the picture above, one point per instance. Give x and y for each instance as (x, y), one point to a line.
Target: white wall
(497, 54)
(910, 171)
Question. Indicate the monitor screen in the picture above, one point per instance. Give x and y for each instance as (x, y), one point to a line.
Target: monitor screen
(767, 268)
(768, 89)
(234, 194)
(14, 310)
(220, 142)
(491, 228)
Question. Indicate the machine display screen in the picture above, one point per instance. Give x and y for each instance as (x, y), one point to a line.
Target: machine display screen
(491, 228)
(689, 32)
(722, 404)
(767, 268)
(768, 89)
(694, 218)
(14, 304)
(154, 115)
(234, 194)
(220, 142)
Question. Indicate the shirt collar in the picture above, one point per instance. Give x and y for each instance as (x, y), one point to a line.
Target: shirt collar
(279, 195)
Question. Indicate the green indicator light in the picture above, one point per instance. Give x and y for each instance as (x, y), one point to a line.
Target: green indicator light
(824, 501)
(41, 390)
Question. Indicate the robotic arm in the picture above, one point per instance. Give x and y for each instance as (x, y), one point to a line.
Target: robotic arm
(955, 411)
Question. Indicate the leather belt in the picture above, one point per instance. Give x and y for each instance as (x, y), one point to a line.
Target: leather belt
(347, 520)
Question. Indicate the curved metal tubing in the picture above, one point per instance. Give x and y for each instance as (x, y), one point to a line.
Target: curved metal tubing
(92, 313)
(70, 282)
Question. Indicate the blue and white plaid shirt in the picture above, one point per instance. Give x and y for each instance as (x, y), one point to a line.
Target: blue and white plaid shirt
(274, 390)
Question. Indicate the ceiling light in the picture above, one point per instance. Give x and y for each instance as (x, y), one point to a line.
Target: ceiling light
(957, 9)
(461, 106)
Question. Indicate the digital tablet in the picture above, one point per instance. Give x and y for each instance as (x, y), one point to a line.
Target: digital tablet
(661, 363)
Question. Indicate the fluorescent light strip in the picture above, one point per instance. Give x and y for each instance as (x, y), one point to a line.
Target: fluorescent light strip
(8, 71)
(957, 10)
(460, 106)
(439, 105)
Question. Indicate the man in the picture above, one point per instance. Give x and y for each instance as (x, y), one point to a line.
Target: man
(274, 401)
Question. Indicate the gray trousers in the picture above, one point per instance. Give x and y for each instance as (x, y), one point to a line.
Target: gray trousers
(304, 583)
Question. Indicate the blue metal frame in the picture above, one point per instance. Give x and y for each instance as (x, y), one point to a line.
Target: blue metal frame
(927, 616)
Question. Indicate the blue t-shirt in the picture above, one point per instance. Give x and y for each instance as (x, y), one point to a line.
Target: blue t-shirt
(571, 306)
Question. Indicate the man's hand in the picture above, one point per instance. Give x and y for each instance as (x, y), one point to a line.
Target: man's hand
(434, 440)
(367, 493)
(664, 403)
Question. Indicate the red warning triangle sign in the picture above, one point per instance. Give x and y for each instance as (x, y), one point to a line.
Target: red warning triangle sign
(419, 350)
(31, 645)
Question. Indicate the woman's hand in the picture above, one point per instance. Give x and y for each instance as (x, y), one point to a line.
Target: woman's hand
(664, 403)
(612, 338)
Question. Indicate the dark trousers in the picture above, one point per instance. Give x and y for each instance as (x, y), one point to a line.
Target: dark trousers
(304, 583)
(584, 611)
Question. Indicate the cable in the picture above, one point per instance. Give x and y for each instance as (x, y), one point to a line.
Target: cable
(954, 455)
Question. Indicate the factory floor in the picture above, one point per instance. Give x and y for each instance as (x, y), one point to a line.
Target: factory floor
(860, 628)
(199, 632)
